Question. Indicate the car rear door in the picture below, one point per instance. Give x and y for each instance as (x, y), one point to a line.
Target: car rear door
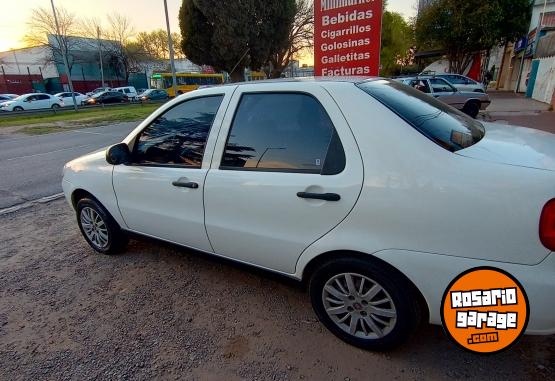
(446, 92)
(160, 194)
(286, 171)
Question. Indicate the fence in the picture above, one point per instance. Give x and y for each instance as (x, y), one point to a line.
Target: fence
(545, 80)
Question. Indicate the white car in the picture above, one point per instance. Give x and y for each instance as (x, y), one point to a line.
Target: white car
(374, 193)
(34, 101)
(129, 91)
(68, 99)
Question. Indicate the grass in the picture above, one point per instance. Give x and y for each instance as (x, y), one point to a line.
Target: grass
(48, 123)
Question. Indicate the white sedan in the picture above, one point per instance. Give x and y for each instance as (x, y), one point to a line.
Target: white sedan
(34, 101)
(374, 193)
(68, 99)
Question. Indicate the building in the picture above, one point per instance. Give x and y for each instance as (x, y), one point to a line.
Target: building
(518, 57)
(42, 69)
(296, 70)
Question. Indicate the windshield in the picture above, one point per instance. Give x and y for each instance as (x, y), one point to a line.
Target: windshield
(97, 95)
(443, 124)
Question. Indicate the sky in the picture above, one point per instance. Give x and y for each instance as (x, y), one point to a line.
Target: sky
(145, 15)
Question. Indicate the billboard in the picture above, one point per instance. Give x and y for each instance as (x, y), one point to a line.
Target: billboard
(347, 37)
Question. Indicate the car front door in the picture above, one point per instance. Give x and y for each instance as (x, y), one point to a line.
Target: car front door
(286, 171)
(160, 193)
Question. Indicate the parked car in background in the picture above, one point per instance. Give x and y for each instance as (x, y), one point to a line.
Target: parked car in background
(7, 97)
(468, 102)
(153, 95)
(107, 97)
(98, 91)
(129, 91)
(463, 83)
(68, 99)
(34, 101)
(376, 195)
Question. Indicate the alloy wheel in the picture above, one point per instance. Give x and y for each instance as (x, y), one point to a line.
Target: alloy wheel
(94, 227)
(359, 306)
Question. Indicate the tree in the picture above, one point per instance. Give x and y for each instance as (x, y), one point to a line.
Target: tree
(299, 40)
(42, 32)
(397, 43)
(122, 52)
(155, 44)
(463, 28)
(235, 36)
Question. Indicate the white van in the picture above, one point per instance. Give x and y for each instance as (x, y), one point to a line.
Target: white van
(130, 91)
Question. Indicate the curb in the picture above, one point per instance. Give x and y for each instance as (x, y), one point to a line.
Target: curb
(28, 204)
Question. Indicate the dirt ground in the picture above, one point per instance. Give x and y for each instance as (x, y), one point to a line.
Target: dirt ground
(168, 313)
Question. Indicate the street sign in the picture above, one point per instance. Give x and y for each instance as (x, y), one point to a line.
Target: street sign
(347, 37)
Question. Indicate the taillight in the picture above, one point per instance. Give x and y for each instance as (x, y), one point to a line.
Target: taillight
(547, 225)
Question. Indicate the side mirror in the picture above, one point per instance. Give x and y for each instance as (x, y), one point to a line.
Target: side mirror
(118, 154)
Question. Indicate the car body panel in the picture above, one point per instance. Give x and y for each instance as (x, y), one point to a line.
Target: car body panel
(98, 181)
(263, 209)
(173, 214)
(512, 145)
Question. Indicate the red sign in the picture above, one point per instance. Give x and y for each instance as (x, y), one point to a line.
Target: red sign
(347, 37)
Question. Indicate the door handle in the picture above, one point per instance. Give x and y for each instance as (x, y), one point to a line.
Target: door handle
(185, 184)
(320, 196)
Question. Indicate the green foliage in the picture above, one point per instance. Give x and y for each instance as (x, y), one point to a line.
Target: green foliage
(236, 34)
(462, 28)
(397, 43)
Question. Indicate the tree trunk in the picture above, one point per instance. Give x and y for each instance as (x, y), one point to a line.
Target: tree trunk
(238, 75)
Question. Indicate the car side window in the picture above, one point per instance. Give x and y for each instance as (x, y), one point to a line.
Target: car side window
(283, 132)
(441, 86)
(178, 137)
(43, 97)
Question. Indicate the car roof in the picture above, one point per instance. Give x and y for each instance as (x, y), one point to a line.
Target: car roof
(353, 80)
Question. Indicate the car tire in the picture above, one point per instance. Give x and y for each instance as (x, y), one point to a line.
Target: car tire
(55, 106)
(472, 109)
(340, 307)
(99, 228)
(18, 108)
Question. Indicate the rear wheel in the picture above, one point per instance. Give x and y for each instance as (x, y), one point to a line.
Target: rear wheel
(98, 227)
(472, 109)
(55, 106)
(363, 303)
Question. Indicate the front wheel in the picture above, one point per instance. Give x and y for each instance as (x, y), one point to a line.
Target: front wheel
(99, 229)
(18, 108)
(472, 109)
(363, 303)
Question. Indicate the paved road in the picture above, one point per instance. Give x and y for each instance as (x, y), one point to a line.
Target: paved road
(31, 166)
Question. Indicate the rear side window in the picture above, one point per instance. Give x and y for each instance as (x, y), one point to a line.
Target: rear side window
(441, 123)
(283, 132)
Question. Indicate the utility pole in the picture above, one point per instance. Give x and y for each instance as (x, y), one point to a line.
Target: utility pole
(170, 44)
(100, 54)
(62, 48)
